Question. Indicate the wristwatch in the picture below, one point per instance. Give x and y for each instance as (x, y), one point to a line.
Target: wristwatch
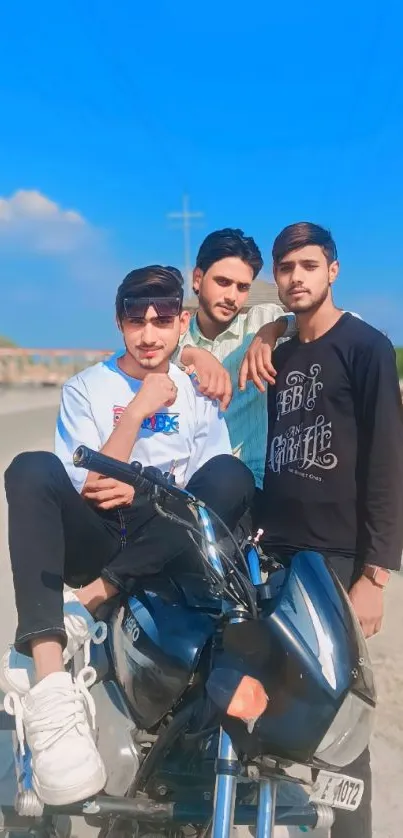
(378, 575)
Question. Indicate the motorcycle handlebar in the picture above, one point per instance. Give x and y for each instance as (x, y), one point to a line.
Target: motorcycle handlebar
(142, 479)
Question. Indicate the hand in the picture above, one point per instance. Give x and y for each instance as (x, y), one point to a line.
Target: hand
(256, 365)
(157, 390)
(213, 379)
(106, 493)
(367, 601)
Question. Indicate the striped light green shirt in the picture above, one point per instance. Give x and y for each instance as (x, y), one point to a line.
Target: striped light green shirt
(246, 415)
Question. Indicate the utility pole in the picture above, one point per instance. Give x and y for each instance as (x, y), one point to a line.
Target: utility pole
(186, 217)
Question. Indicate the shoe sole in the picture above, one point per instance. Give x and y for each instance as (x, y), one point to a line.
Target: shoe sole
(73, 794)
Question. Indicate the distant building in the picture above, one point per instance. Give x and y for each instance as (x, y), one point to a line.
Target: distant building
(261, 292)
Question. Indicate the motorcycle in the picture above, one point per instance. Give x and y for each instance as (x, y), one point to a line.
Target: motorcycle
(209, 685)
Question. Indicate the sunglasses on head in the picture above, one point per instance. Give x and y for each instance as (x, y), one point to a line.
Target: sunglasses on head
(135, 308)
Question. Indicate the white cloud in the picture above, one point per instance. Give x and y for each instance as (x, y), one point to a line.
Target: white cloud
(39, 230)
(32, 221)
(32, 204)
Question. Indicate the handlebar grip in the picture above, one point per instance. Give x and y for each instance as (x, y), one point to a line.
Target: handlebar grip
(84, 457)
(143, 480)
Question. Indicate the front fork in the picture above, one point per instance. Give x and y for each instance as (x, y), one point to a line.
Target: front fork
(225, 795)
(227, 762)
(225, 789)
(266, 814)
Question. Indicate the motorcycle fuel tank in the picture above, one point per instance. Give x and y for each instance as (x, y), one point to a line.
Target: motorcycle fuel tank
(156, 643)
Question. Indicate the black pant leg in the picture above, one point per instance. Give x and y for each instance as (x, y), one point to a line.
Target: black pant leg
(224, 483)
(54, 535)
(353, 824)
(257, 509)
(357, 824)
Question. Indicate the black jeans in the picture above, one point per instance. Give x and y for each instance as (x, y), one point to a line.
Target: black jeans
(353, 824)
(56, 537)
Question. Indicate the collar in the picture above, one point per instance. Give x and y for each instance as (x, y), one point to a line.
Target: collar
(234, 329)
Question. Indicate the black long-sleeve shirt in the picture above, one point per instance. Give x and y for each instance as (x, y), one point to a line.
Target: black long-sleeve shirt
(334, 464)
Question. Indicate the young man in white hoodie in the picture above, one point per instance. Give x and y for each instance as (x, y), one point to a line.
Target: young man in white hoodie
(68, 525)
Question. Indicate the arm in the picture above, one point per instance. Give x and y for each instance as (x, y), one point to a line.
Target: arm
(105, 492)
(257, 365)
(76, 426)
(213, 380)
(380, 428)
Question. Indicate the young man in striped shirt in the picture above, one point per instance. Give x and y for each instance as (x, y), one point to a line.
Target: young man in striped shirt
(220, 334)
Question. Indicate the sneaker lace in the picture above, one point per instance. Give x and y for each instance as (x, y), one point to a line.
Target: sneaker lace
(94, 633)
(59, 712)
(12, 705)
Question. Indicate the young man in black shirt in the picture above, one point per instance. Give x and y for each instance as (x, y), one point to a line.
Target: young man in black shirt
(334, 463)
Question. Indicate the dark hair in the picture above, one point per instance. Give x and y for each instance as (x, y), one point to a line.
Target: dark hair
(300, 235)
(151, 281)
(228, 242)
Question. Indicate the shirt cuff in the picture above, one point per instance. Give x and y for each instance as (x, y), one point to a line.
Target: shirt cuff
(291, 325)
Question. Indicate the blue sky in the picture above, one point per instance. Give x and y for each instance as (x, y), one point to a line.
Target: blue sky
(264, 113)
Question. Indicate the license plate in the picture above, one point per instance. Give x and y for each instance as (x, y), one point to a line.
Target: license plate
(337, 790)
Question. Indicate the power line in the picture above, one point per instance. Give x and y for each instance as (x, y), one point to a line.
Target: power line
(186, 217)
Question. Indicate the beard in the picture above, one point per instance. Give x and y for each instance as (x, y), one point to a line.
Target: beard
(308, 303)
(215, 314)
(156, 363)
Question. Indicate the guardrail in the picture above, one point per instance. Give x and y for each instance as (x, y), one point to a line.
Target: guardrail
(49, 367)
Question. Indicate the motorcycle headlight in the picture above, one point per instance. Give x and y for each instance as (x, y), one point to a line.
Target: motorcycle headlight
(349, 733)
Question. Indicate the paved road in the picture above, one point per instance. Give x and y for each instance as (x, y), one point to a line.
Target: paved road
(19, 429)
(27, 422)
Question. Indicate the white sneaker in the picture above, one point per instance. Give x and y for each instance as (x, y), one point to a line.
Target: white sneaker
(66, 766)
(17, 671)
